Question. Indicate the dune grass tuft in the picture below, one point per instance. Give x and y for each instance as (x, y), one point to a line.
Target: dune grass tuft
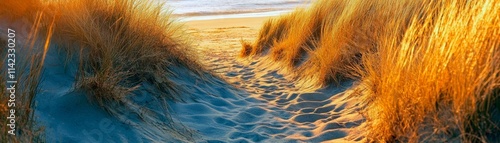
(323, 44)
(441, 80)
(429, 68)
(123, 48)
(122, 44)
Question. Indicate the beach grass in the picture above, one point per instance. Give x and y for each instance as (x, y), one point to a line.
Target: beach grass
(440, 81)
(428, 70)
(124, 47)
(120, 47)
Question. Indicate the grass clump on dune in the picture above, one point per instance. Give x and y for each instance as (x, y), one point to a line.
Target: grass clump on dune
(122, 44)
(443, 75)
(122, 48)
(429, 70)
(125, 48)
(323, 44)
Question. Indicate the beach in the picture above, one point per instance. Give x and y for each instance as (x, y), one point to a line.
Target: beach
(223, 34)
(189, 8)
(239, 101)
(265, 105)
(277, 71)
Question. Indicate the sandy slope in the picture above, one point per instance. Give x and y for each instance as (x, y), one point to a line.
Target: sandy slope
(273, 109)
(261, 107)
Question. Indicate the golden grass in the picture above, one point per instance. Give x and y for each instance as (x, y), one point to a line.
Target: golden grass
(443, 75)
(19, 9)
(429, 69)
(121, 47)
(320, 45)
(124, 46)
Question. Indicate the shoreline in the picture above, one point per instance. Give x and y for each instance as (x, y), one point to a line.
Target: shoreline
(250, 22)
(232, 16)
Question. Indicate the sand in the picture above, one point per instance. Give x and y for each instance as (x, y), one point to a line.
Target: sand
(243, 102)
(273, 109)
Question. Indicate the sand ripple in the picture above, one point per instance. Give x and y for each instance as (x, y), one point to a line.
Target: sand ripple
(265, 107)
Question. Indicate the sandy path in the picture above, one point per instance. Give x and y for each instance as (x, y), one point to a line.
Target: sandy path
(263, 106)
(272, 108)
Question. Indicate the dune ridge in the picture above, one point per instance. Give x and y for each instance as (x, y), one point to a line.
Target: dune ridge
(338, 71)
(112, 53)
(427, 70)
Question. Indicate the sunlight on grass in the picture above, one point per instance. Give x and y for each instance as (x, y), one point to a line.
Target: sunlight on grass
(120, 46)
(429, 70)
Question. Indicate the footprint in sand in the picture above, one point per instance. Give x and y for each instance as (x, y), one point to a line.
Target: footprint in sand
(265, 107)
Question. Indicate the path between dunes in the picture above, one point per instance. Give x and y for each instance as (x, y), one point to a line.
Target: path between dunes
(263, 106)
(266, 107)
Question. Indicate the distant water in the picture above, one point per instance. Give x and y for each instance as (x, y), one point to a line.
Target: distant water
(216, 9)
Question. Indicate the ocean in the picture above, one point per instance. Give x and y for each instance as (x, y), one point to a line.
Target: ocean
(217, 9)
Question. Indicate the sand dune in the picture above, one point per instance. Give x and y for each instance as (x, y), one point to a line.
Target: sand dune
(267, 107)
(68, 116)
(428, 69)
(235, 100)
(340, 71)
(243, 102)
